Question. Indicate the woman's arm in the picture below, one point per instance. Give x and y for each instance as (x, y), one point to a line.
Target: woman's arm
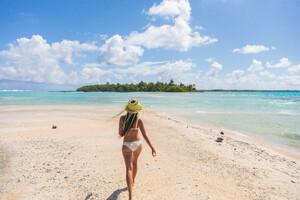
(121, 125)
(143, 130)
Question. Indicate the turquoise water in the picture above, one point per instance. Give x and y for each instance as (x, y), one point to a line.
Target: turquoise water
(274, 116)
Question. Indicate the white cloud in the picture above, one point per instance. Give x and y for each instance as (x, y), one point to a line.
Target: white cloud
(200, 28)
(171, 8)
(294, 80)
(179, 36)
(92, 75)
(236, 75)
(267, 74)
(252, 49)
(116, 51)
(294, 69)
(283, 62)
(215, 68)
(178, 70)
(35, 60)
(256, 66)
(210, 59)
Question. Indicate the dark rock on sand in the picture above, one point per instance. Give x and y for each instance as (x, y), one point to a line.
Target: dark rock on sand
(219, 139)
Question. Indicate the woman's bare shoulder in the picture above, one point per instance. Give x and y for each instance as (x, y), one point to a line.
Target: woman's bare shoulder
(122, 118)
(140, 121)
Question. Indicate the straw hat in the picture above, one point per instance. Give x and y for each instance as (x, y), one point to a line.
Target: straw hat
(133, 106)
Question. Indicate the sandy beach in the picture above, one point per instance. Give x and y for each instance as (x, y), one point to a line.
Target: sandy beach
(81, 159)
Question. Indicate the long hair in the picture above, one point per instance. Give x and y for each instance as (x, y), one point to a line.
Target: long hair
(128, 122)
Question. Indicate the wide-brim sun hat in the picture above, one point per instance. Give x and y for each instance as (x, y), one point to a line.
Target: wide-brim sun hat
(132, 107)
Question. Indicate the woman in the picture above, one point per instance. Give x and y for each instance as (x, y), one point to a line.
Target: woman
(129, 126)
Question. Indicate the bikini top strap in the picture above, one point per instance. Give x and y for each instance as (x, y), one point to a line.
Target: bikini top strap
(137, 120)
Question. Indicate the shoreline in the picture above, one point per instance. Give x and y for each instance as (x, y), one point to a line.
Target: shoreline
(244, 137)
(260, 142)
(82, 159)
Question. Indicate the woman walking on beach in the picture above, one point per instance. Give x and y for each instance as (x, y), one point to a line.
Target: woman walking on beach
(132, 145)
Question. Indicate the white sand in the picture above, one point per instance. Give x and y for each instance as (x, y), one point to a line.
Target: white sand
(82, 159)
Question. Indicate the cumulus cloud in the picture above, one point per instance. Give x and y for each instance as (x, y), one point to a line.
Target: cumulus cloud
(214, 69)
(179, 70)
(33, 59)
(283, 62)
(171, 8)
(294, 69)
(252, 49)
(290, 79)
(177, 36)
(256, 66)
(267, 74)
(236, 75)
(92, 75)
(116, 51)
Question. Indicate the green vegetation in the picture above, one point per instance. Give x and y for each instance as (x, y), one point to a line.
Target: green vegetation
(140, 87)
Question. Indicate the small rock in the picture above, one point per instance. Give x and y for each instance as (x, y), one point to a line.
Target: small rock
(88, 196)
(222, 133)
(292, 181)
(219, 139)
(54, 127)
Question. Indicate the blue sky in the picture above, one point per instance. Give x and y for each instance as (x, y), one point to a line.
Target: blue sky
(227, 44)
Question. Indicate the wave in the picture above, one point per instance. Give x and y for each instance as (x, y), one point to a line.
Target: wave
(286, 112)
(15, 90)
(212, 112)
(283, 103)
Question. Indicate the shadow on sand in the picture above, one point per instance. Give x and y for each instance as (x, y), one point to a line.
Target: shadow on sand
(116, 193)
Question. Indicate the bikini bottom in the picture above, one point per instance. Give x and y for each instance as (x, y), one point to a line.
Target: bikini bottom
(132, 145)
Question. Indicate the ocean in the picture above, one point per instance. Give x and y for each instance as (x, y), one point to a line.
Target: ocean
(273, 116)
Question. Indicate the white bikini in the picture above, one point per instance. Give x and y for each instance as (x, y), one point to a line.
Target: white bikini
(135, 144)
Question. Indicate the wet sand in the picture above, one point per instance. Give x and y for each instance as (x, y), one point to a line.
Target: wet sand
(82, 159)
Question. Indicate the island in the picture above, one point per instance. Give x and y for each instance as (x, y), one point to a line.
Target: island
(139, 87)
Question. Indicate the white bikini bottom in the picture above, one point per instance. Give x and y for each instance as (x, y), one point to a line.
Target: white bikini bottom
(132, 145)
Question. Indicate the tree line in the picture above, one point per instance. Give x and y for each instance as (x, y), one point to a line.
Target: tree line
(139, 87)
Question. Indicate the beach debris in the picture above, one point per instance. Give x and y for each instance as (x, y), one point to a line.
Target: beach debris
(222, 133)
(88, 196)
(219, 139)
(54, 127)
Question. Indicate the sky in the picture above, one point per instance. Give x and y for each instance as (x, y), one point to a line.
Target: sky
(55, 45)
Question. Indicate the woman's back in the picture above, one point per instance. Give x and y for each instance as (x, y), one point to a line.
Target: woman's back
(133, 132)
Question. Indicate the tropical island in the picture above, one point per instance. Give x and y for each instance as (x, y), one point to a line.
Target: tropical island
(139, 87)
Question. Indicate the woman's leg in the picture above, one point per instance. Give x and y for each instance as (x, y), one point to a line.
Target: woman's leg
(136, 154)
(128, 157)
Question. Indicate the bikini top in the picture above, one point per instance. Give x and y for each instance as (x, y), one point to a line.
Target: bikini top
(137, 121)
